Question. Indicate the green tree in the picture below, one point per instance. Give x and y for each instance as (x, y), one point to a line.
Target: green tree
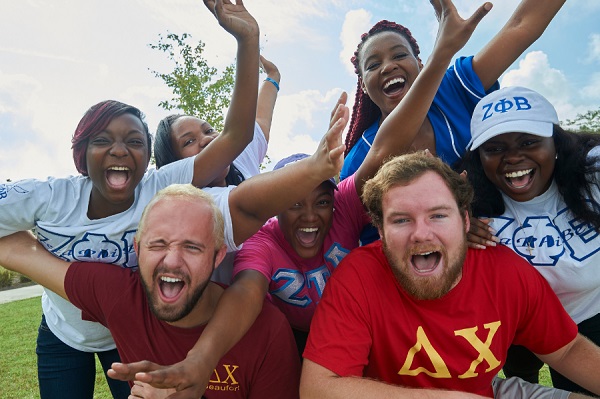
(198, 89)
(588, 122)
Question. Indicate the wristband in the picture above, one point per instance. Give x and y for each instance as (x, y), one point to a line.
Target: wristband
(268, 79)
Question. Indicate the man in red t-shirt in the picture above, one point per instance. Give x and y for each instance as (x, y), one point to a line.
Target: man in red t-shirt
(418, 310)
(158, 312)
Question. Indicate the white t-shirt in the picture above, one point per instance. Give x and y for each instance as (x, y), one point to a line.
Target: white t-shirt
(248, 163)
(57, 209)
(563, 249)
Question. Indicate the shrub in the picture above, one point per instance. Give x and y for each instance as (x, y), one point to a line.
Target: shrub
(6, 277)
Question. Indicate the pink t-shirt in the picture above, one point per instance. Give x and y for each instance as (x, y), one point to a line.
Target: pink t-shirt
(367, 325)
(296, 284)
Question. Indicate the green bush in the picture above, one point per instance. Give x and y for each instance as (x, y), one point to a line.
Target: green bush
(6, 277)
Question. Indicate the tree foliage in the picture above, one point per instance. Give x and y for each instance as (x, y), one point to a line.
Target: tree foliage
(198, 89)
(588, 122)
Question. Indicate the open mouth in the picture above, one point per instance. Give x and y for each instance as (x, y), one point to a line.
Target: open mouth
(519, 179)
(170, 287)
(425, 262)
(307, 236)
(394, 86)
(117, 176)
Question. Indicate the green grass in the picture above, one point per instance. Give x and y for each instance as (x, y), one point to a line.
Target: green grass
(544, 376)
(19, 323)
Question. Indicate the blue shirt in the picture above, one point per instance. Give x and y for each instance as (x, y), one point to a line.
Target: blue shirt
(449, 115)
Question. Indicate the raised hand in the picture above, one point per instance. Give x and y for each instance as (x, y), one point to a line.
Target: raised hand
(330, 152)
(233, 17)
(454, 31)
(270, 69)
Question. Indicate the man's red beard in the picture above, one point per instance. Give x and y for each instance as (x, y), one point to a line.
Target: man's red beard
(426, 287)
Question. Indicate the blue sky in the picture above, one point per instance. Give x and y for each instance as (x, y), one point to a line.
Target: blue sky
(59, 57)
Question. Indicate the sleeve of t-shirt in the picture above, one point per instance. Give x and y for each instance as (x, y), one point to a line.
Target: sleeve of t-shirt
(94, 287)
(24, 202)
(545, 326)
(221, 197)
(349, 206)
(340, 338)
(256, 253)
(279, 373)
(248, 162)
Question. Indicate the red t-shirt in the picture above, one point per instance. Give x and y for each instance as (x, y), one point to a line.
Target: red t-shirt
(263, 364)
(367, 325)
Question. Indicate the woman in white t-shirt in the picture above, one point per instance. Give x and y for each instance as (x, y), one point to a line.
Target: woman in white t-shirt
(539, 184)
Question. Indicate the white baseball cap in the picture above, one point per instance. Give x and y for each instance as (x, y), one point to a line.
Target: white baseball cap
(511, 109)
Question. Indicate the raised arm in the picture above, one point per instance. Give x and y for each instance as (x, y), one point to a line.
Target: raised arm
(524, 27)
(239, 122)
(267, 95)
(20, 252)
(251, 203)
(317, 382)
(399, 129)
(265, 195)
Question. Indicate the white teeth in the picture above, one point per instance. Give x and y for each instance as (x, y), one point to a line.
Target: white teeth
(170, 279)
(309, 229)
(393, 81)
(425, 253)
(118, 168)
(519, 173)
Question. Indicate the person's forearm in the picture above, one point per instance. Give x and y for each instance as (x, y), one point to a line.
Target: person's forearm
(239, 306)
(20, 252)
(363, 388)
(240, 117)
(267, 96)
(578, 362)
(238, 129)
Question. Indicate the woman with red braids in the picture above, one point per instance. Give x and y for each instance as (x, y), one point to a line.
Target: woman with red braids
(387, 63)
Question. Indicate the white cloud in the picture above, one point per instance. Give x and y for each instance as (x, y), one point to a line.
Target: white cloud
(592, 90)
(594, 48)
(299, 122)
(535, 72)
(356, 22)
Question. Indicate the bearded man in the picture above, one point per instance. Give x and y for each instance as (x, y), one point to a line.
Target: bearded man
(418, 315)
(157, 313)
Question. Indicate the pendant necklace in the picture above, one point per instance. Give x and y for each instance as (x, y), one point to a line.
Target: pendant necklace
(528, 245)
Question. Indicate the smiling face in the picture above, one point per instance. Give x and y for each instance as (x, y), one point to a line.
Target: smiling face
(177, 256)
(388, 68)
(189, 137)
(519, 164)
(424, 236)
(306, 224)
(117, 158)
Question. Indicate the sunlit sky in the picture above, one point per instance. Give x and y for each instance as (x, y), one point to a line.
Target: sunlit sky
(59, 57)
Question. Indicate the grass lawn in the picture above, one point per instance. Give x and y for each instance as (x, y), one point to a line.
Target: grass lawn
(18, 370)
(18, 363)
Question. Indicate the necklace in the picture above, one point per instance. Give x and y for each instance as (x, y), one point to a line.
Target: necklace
(528, 239)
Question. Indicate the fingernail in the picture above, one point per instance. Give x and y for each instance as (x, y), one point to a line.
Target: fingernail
(490, 243)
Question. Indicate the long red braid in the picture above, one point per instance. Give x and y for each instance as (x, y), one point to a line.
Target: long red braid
(365, 112)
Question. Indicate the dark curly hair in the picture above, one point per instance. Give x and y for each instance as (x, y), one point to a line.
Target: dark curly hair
(365, 112)
(573, 172)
